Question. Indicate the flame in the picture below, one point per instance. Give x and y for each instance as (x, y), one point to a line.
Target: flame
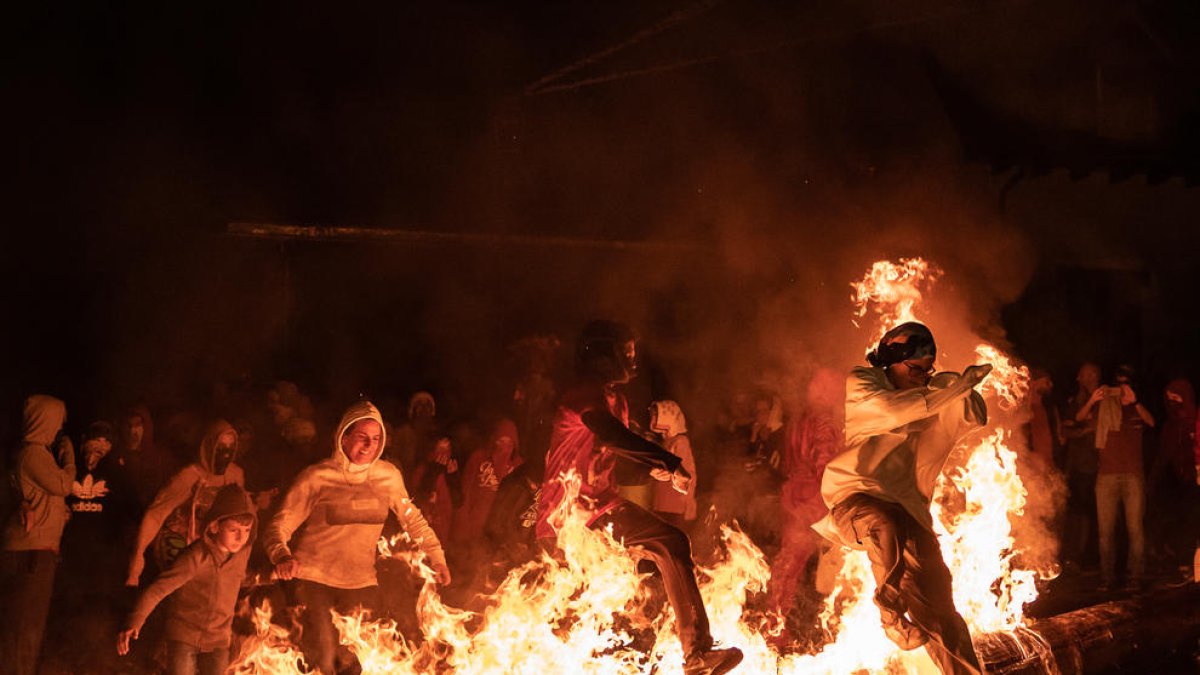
(269, 650)
(977, 542)
(1008, 382)
(972, 508)
(893, 291)
(587, 609)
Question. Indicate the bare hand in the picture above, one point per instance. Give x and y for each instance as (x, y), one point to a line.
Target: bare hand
(1098, 394)
(973, 375)
(123, 639)
(681, 482)
(661, 475)
(286, 569)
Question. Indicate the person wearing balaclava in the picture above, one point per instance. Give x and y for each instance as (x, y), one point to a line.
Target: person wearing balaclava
(173, 520)
(590, 431)
(325, 534)
(902, 421)
(43, 469)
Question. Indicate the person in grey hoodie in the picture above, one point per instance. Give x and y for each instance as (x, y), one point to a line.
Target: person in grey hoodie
(33, 533)
(204, 582)
(342, 503)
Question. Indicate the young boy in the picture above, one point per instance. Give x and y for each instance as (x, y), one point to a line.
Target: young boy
(204, 581)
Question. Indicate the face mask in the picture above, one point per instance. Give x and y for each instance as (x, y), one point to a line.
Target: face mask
(222, 458)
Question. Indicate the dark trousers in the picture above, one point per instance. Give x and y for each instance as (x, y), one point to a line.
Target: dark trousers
(910, 576)
(319, 640)
(185, 659)
(1080, 527)
(26, 585)
(668, 547)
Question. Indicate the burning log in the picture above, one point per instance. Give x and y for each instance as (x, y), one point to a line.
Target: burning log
(1097, 638)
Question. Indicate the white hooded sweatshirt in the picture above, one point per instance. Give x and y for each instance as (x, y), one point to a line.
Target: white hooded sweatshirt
(339, 509)
(897, 441)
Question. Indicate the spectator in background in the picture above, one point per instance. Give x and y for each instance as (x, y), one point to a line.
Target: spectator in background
(1081, 461)
(811, 441)
(143, 462)
(678, 509)
(95, 544)
(431, 489)
(1044, 423)
(485, 468)
(417, 436)
(43, 470)
(1121, 421)
(174, 519)
(509, 529)
(1172, 486)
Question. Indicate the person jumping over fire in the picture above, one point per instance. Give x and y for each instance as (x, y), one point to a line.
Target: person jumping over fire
(590, 430)
(902, 421)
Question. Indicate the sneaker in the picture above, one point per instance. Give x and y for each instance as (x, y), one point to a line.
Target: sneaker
(713, 661)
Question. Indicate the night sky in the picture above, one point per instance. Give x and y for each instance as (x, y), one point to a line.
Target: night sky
(1042, 152)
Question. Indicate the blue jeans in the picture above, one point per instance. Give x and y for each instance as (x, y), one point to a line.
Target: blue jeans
(185, 659)
(1112, 491)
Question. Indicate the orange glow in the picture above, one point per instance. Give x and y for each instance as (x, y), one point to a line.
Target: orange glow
(586, 610)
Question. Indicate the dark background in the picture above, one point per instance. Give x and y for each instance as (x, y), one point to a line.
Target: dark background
(1043, 153)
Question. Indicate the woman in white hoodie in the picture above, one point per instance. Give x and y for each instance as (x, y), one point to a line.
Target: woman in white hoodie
(342, 503)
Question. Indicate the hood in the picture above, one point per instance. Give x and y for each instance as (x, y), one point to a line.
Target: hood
(43, 419)
(421, 397)
(147, 427)
(669, 420)
(362, 410)
(208, 446)
(230, 500)
(1185, 407)
(505, 427)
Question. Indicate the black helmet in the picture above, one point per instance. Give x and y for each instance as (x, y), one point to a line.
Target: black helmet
(600, 351)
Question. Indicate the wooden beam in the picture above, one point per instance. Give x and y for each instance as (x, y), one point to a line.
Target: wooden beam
(334, 233)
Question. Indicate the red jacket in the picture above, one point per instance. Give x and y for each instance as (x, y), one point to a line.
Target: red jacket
(590, 429)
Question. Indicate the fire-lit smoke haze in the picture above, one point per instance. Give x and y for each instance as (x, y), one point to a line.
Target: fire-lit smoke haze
(589, 607)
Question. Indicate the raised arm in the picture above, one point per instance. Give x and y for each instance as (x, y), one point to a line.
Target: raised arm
(872, 408)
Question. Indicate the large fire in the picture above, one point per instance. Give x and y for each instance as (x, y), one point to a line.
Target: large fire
(588, 609)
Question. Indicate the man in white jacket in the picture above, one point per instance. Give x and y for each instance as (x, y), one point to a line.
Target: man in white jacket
(902, 421)
(342, 502)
